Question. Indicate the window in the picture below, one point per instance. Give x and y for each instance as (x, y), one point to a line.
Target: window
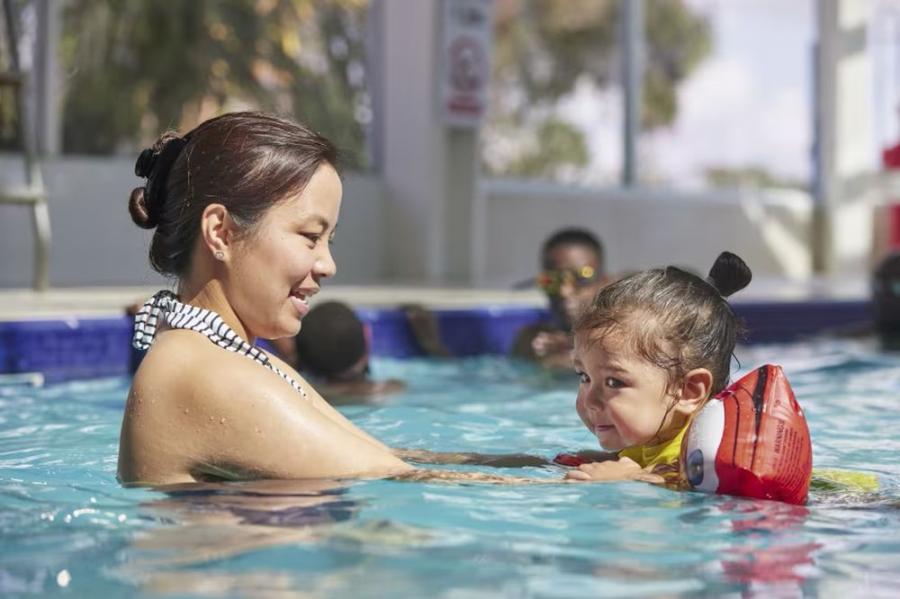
(744, 116)
(556, 107)
(132, 69)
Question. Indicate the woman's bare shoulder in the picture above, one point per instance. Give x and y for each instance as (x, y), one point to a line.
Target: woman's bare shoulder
(186, 365)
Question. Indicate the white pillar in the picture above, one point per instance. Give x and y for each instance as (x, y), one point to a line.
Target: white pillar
(429, 169)
(845, 157)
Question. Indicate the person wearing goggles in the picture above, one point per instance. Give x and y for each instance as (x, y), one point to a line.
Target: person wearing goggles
(573, 271)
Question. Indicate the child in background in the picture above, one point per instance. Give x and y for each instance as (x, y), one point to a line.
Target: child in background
(333, 348)
(650, 350)
(573, 270)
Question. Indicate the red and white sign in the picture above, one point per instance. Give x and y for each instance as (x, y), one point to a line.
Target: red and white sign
(465, 61)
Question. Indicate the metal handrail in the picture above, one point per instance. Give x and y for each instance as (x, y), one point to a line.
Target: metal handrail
(32, 192)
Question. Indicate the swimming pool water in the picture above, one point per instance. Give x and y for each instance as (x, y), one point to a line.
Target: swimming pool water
(67, 527)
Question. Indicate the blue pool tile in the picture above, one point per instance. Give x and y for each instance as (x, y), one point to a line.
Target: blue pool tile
(66, 349)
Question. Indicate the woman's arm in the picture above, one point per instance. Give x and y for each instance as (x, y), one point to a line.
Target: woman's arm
(324, 407)
(594, 455)
(507, 460)
(249, 423)
(420, 475)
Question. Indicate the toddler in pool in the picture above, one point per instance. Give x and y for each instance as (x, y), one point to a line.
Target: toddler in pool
(650, 350)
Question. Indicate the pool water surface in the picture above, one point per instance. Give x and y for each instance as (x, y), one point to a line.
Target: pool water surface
(68, 528)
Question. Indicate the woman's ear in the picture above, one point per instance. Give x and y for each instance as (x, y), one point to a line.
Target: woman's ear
(695, 389)
(217, 230)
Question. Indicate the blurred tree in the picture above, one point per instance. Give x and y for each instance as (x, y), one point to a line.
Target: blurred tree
(136, 67)
(9, 83)
(544, 48)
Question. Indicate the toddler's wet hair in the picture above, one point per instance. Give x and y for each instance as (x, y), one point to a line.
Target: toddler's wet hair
(673, 318)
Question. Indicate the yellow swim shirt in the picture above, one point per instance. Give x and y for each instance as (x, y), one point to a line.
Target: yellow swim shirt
(662, 459)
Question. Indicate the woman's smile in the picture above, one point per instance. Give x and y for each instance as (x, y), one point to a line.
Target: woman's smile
(300, 300)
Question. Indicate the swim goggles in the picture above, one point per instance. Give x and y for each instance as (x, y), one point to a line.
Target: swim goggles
(552, 281)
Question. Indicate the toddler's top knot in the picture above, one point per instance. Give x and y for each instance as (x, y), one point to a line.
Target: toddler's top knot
(729, 274)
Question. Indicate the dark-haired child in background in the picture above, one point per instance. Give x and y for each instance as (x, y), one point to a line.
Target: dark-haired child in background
(574, 270)
(333, 348)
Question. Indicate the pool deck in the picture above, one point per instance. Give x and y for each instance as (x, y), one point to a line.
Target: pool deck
(67, 334)
(81, 302)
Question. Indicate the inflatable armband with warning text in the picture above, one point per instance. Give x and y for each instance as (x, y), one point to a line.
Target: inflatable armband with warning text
(750, 440)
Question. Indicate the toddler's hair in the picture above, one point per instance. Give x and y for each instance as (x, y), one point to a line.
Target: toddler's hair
(673, 318)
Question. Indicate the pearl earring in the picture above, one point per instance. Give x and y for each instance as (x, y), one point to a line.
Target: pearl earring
(220, 255)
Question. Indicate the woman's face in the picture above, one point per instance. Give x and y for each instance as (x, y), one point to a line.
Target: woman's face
(622, 398)
(279, 265)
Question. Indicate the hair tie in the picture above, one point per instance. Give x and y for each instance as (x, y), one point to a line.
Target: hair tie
(154, 165)
(145, 163)
(147, 159)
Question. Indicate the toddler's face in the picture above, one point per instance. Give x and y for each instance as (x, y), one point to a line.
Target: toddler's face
(622, 398)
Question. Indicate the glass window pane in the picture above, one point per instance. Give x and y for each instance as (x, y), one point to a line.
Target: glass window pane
(135, 67)
(744, 116)
(556, 107)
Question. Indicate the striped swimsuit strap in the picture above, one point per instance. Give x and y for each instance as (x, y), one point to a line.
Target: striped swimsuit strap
(165, 305)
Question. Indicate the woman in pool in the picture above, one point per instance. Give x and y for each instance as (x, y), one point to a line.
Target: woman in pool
(244, 208)
(650, 351)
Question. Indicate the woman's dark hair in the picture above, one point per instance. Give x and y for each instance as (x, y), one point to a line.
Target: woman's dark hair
(673, 318)
(246, 161)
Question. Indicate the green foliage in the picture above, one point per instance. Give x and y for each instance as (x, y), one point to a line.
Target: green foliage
(555, 138)
(543, 48)
(9, 85)
(136, 67)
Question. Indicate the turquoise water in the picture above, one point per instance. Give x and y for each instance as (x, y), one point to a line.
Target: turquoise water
(67, 528)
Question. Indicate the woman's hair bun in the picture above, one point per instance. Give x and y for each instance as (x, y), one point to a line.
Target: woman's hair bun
(144, 165)
(137, 207)
(154, 164)
(729, 274)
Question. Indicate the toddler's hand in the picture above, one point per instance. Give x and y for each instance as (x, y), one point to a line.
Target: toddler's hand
(621, 469)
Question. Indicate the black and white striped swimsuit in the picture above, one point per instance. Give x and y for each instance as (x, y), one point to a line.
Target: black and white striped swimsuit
(165, 305)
